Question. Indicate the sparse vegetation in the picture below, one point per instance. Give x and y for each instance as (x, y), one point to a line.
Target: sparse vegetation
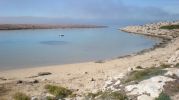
(100, 61)
(143, 74)
(139, 67)
(50, 98)
(3, 90)
(170, 27)
(93, 95)
(165, 65)
(172, 88)
(163, 96)
(177, 65)
(58, 91)
(21, 96)
(107, 95)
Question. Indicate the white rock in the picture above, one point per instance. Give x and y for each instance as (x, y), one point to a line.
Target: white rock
(113, 84)
(172, 71)
(108, 83)
(130, 69)
(49, 95)
(34, 98)
(120, 76)
(94, 91)
(152, 86)
(174, 59)
(144, 97)
(118, 82)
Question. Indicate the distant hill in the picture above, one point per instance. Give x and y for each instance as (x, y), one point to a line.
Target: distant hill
(44, 26)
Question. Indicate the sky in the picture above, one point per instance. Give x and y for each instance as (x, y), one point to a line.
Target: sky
(88, 10)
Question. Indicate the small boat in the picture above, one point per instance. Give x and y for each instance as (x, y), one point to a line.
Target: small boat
(61, 35)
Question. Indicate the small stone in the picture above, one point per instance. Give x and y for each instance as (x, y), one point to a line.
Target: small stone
(92, 79)
(34, 98)
(86, 72)
(69, 74)
(44, 73)
(159, 81)
(35, 81)
(19, 82)
(44, 79)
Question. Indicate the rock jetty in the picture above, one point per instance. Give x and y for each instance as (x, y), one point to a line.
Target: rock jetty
(153, 29)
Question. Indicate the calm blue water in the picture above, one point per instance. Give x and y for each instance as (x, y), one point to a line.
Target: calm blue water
(30, 48)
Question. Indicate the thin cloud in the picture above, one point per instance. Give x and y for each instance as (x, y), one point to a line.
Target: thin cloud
(83, 10)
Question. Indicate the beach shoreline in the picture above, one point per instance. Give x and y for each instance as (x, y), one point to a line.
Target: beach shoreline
(80, 76)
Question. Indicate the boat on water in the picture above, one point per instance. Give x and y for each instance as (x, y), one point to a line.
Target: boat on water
(61, 35)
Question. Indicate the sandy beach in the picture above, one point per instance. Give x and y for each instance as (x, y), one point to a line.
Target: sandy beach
(90, 76)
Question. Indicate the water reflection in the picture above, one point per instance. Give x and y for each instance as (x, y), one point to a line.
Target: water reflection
(54, 42)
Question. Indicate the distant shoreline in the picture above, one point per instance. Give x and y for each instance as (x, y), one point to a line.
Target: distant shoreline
(45, 26)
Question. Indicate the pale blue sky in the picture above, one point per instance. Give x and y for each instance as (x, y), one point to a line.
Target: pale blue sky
(91, 9)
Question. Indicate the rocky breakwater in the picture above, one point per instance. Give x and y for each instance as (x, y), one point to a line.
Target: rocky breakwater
(153, 29)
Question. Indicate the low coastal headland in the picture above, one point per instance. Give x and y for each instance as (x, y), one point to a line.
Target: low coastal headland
(152, 75)
(44, 26)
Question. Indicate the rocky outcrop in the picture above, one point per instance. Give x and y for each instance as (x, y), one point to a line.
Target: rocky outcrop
(113, 83)
(148, 89)
(152, 87)
(153, 30)
(174, 59)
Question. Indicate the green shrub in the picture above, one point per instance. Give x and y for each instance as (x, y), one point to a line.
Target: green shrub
(113, 96)
(170, 27)
(107, 95)
(177, 65)
(163, 96)
(100, 61)
(21, 96)
(58, 91)
(165, 66)
(139, 67)
(143, 74)
(50, 98)
(93, 95)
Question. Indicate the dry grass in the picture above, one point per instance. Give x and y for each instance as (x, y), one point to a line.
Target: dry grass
(58, 91)
(20, 96)
(177, 65)
(4, 90)
(107, 95)
(163, 96)
(140, 75)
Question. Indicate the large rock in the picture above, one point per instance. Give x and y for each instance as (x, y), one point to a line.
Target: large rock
(153, 29)
(113, 83)
(174, 59)
(152, 86)
(173, 71)
(144, 97)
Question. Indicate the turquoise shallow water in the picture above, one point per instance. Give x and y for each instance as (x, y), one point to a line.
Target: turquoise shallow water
(30, 48)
